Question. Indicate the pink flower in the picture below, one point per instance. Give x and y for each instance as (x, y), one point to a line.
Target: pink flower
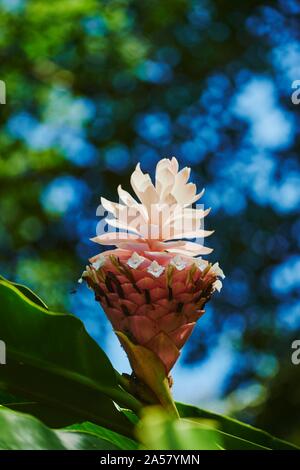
(153, 287)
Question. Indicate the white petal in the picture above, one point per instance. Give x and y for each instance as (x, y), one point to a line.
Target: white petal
(184, 193)
(198, 196)
(174, 164)
(84, 274)
(191, 249)
(143, 187)
(166, 171)
(155, 269)
(117, 224)
(139, 245)
(135, 260)
(218, 271)
(178, 262)
(183, 213)
(184, 175)
(128, 211)
(163, 175)
(194, 234)
(126, 197)
(201, 263)
(114, 238)
(110, 206)
(100, 261)
(173, 244)
(217, 285)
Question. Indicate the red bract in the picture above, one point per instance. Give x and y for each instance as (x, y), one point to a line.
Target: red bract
(158, 313)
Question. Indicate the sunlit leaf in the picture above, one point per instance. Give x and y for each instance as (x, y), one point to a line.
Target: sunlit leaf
(157, 430)
(233, 427)
(27, 293)
(19, 431)
(119, 440)
(56, 367)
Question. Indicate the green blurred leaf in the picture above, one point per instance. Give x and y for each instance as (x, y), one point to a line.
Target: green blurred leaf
(19, 431)
(233, 427)
(54, 366)
(158, 431)
(123, 442)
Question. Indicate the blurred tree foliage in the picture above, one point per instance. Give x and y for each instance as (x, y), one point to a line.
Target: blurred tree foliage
(95, 86)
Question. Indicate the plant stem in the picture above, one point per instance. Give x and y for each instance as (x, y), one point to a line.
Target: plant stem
(166, 401)
(123, 398)
(171, 408)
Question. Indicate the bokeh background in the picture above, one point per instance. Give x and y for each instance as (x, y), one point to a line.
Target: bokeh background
(93, 87)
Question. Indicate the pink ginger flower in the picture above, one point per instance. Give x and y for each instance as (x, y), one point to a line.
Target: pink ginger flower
(154, 286)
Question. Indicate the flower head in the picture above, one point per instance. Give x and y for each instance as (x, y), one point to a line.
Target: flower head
(154, 286)
(161, 217)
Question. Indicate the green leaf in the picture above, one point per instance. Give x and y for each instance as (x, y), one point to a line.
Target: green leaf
(19, 431)
(11, 401)
(27, 292)
(235, 428)
(53, 364)
(158, 431)
(121, 441)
